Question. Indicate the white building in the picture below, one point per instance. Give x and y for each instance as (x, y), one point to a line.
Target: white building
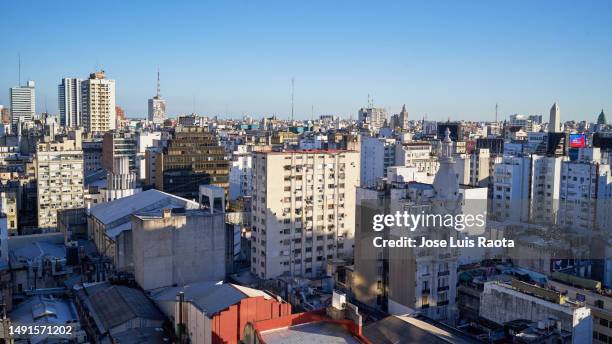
(511, 183)
(23, 103)
(554, 123)
(70, 102)
(120, 181)
(377, 154)
(241, 173)
(302, 210)
(584, 196)
(59, 178)
(145, 140)
(545, 188)
(98, 98)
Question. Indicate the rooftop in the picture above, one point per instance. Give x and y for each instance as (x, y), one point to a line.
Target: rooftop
(317, 332)
(123, 207)
(408, 330)
(210, 297)
(114, 305)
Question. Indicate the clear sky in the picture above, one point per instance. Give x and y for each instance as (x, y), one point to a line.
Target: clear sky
(441, 58)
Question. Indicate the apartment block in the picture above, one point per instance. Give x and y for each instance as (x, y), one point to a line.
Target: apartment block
(98, 102)
(511, 185)
(545, 188)
(59, 175)
(302, 210)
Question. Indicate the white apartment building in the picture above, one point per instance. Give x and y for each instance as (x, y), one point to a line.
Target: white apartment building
(584, 196)
(98, 98)
(59, 178)
(545, 188)
(70, 102)
(241, 174)
(377, 154)
(511, 181)
(303, 210)
(145, 140)
(23, 103)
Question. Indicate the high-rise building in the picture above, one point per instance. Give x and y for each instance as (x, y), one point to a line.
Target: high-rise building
(191, 158)
(98, 98)
(545, 188)
(23, 103)
(511, 184)
(157, 107)
(59, 176)
(303, 211)
(70, 102)
(372, 118)
(554, 123)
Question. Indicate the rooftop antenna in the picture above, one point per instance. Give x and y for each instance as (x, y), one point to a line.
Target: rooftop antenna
(158, 85)
(19, 58)
(193, 112)
(312, 112)
(495, 112)
(292, 92)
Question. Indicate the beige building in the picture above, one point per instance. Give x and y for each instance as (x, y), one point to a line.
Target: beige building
(99, 113)
(302, 210)
(59, 178)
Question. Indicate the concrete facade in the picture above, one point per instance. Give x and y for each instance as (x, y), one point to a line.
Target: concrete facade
(178, 247)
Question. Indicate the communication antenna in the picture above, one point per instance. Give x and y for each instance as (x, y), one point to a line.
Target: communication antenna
(19, 58)
(292, 93)
(495, 112)
(158, 84)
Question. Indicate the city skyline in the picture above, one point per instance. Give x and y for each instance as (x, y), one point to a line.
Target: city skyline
(443, 60)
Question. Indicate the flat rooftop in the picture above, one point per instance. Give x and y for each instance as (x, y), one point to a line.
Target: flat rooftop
(311, 333)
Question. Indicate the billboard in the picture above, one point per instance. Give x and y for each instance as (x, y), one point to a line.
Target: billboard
(577, 140)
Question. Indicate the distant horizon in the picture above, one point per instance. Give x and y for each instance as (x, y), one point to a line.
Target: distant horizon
(442, 59)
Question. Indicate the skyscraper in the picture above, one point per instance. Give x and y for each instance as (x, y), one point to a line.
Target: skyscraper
(157, 106)
(554, 124)
(23, 103)
(70, 102)
(99, 114)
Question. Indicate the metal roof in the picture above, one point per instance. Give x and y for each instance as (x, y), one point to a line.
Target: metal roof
(117, 304)
(117, 209)
(210, 297)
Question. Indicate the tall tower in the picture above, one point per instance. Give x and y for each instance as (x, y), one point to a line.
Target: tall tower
(157, 106)
(554, 123)
(98, 98)
(403, 118)
(23, 104)
(70, 102)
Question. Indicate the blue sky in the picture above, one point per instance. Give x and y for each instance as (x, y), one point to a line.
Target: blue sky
(441, 58)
